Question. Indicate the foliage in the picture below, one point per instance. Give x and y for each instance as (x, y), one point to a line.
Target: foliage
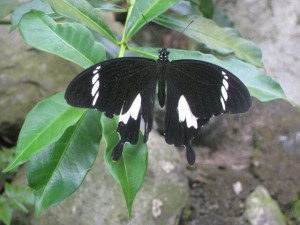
(62, 141)
(13, 197)
(294, 213)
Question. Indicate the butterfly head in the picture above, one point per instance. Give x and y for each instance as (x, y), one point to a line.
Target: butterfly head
(163, 55)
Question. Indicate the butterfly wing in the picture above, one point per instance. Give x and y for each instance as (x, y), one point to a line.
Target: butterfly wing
(196, 91)
(121, 86)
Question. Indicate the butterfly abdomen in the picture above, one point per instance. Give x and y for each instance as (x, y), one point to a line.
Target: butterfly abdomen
(162, 70)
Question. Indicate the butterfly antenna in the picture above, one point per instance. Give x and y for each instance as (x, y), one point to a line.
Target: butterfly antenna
(176, 36)
(192, 21)
(154, 34)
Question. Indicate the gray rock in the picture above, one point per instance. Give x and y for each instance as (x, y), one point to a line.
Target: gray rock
(275, 27)
(26, 77)
(261, 209)
(100, 200)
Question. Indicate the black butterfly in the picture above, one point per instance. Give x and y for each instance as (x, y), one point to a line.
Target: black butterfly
(196, 91)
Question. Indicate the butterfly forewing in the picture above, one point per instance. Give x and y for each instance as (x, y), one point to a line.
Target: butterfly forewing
(111, 85)
(209, 89)
(121, 86)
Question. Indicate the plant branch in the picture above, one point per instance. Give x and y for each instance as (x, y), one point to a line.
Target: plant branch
(123, 44)
(5, 22)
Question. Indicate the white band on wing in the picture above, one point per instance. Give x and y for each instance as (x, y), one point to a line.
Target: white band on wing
(133, 111)
(185, 113)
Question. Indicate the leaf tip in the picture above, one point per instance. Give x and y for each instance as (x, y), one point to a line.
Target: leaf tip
(10, 167)
(129, 212)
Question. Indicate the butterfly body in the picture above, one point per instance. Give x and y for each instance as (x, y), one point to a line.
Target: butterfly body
(191, 90)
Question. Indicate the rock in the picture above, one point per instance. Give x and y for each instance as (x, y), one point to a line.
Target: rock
(26, 77)
(274, 26)
(100, 200)
(275, 166)
(261, 209)
(249, 155)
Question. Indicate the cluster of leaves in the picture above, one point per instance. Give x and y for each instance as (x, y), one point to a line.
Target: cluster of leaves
(62, 142)
(293, 213)
(13, 197)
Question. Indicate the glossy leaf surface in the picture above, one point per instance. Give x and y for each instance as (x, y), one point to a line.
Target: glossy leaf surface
(61, 167)
(27, 7)
(71, 41)
(225, 41)
(83, 12)
(45, 124)
(149, 9)
(130, 170)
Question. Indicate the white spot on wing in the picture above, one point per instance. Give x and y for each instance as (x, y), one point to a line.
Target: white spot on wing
(224, 90)
(124, 117)
(185, 113)
(95, 88)
(95, 98)
(225, 84)
(96, 85)
(223, 103)
(95, 78)
(224, 93)
(96, 70)
(133, 111)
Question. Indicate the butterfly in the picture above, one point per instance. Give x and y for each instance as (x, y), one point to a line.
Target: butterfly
(192, 92)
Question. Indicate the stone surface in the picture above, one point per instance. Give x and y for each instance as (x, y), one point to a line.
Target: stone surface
(261, 209)
(100, 200)
(250, 153)
(275, 27)
(26, 77)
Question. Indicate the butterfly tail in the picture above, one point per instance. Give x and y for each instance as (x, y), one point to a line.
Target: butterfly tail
(117, 152)
(190, 154)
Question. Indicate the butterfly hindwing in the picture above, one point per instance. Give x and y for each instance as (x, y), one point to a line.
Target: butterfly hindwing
(121, 86)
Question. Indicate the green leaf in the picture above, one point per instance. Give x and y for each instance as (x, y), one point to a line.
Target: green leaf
(150, 9)
(44, 124)
(58, 170)
(130, 170)
(6, 156)
(107, 6)
(221, 18)
(206, 7)
(71, 41)
(5, 212)
(27, 7)
(18, 205)
(225, 41)
(7, 6)
(83, 12)
(18, 195)
(263, 87)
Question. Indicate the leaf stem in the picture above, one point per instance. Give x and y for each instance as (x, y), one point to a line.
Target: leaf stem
(5, 22)
(123, 43)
